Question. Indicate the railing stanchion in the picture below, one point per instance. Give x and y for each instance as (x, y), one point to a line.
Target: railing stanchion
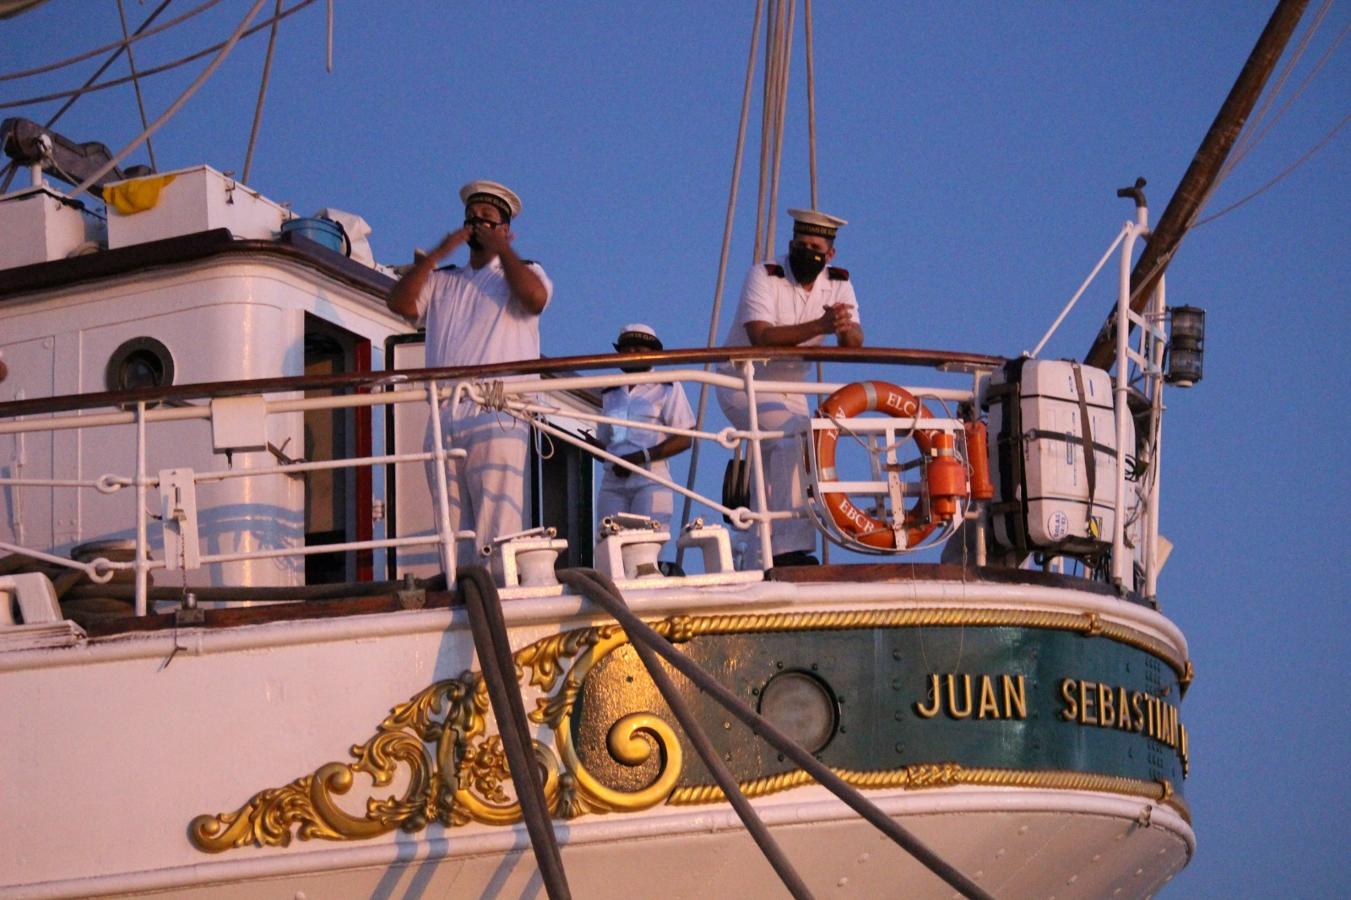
(142, 542)
(442, 498)
(1121, 566)
(758, 466)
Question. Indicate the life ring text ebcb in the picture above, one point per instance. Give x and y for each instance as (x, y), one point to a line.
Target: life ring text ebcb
(946, 476)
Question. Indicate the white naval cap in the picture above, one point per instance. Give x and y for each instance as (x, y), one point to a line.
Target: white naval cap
(813, 221)
(491, 192)
(638, 333)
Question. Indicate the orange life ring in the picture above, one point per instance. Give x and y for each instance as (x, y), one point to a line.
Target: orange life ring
(946, 480)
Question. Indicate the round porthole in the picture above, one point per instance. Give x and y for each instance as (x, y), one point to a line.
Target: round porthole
(140, 363)
(803, 707)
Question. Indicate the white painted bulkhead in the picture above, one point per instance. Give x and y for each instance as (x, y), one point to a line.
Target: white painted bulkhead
(234, 317)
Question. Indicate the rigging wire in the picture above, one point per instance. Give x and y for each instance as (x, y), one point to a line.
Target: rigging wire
(262, 94)
(169, 113)
(1296, 164)
(106, 63)
(780, 111)
(174, 64)
(136, 81)
(115, 45)
(1256, 130)
(12, 167)
(811, 104)
(723, 258)
(757, 252)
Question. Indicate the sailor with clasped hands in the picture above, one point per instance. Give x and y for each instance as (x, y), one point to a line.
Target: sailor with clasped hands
(794, 301)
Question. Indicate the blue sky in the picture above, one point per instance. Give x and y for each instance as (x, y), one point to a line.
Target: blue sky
(975, 149)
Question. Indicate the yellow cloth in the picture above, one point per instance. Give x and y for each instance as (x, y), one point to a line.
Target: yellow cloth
(136, 195)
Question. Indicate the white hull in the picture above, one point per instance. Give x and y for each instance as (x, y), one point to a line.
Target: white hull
(124, 750)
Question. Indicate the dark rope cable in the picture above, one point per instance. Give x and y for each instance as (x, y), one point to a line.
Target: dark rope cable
(638, 630)
(499, 668)
(588, 583)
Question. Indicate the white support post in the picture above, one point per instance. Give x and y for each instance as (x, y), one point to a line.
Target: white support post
(758, 466)
(142, 561)
(1160, 308)
(442, 498)
(1122, 565)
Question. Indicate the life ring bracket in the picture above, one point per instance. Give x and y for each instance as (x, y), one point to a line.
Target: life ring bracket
(936, 502)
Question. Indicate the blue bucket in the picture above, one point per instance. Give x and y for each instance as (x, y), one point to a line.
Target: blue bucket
(324, 232)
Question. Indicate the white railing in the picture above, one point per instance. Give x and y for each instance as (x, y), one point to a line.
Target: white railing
(534, 399)
(538, 400)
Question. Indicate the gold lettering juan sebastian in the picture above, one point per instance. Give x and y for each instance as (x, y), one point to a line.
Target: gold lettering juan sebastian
(964, 696)
(1108, 706)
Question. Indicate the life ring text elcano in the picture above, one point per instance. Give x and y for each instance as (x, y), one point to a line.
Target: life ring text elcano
(946, 479)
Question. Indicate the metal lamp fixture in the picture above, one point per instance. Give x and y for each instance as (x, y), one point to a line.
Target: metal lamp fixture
(1187, 346)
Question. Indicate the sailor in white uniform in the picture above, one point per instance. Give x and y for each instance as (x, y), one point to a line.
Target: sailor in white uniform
(622, 491)
(794, 301)
(487, 312)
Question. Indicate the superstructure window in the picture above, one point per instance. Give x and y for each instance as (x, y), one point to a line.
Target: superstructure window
(141, 362)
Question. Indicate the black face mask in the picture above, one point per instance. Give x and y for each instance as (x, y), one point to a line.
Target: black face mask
(805, 262)
(474, 242)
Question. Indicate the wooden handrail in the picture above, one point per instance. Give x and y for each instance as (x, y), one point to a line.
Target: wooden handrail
(186, 393)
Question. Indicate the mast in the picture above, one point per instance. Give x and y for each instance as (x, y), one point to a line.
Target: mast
(1202, 172)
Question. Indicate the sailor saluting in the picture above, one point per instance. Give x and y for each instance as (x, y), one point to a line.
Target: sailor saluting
(487, 312)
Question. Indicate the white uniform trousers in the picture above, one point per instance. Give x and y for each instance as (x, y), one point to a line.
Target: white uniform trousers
(486, 489)
(784, 469)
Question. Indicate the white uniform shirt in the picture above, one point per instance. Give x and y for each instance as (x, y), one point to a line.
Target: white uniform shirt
(472, 320)
(662, 404)
(782, 301)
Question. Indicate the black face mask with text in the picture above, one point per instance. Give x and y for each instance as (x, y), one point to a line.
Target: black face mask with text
(805, 262)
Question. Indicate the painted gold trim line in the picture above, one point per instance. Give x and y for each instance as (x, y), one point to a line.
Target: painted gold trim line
(1089, 624)
(923, 777)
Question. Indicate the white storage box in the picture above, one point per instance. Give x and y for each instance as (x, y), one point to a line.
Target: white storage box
(37, 227)
(1037, 464)
(197, 199)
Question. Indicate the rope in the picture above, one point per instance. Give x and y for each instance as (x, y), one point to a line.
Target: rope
(103, 68)
(1295, 165)
(757, 252)
(262, 93)
(639, 631)
(135, 80)
(174, 64)
(780, 110)
(140, 34)
(587, 582)
(1252, 135)
(489, 630)
(1256, 130)
(722, 259)
(174, 107)
(811, 113)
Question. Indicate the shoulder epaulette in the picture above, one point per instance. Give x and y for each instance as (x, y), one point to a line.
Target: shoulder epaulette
(446, 268)
(774, 269)
(838, 274)
(530, 262)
